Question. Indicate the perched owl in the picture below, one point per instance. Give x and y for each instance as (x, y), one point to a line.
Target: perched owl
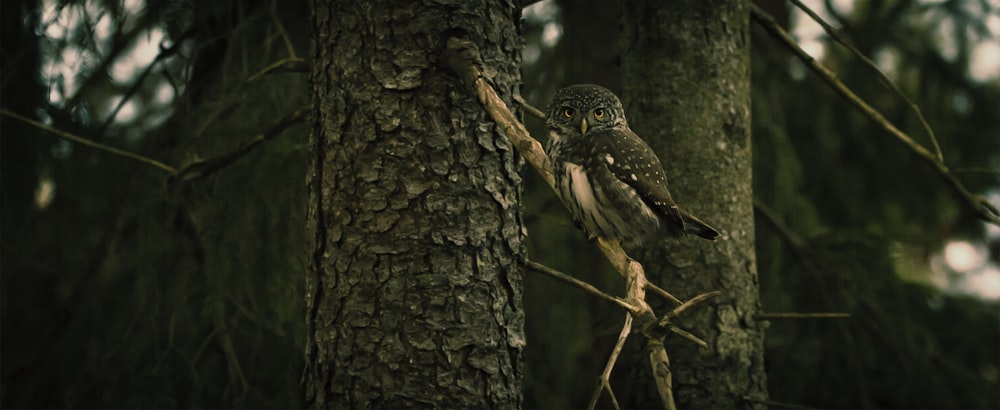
(609, 178)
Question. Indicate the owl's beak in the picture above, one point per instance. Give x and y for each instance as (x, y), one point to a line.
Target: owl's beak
(583, 126)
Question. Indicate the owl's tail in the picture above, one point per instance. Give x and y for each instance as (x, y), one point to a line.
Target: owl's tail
(695, 226)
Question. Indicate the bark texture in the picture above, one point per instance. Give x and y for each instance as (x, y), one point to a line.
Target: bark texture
(686, 88)
(414, 296)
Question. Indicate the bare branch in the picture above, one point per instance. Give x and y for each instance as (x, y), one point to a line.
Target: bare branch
(691, 302)
(537, 267)
(662, 293)
(604, 381)
(666, 321)
(687, 335)
(189, 172)
(273, 12)
(530, 109)
(978, 203)
(288, 65)
(163, 54)
(78, 139)
(203, 168)
(838, 36)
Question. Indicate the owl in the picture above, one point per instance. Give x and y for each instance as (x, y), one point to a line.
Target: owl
(609, 178)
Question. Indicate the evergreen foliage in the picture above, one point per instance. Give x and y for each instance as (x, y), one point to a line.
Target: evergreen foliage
(134, 289)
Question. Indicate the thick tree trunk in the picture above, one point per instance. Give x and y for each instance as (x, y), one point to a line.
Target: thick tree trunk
(414, 295)
(686, 85)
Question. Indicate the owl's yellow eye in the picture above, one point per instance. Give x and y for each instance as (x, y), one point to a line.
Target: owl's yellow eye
(599, 113)
(568, 112)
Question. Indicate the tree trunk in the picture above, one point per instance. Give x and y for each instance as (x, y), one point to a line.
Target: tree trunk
(414, 295)
(686, 85)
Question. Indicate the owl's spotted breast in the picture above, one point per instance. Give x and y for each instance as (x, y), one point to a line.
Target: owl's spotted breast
(605, 206)
(609, 178)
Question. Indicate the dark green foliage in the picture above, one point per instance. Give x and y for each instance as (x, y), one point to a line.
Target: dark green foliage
(861, 212)
(904, 346)
(129, 291)
(132, 290)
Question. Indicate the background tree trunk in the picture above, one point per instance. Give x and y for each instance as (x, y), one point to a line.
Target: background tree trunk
(686, 86)
(414, 296)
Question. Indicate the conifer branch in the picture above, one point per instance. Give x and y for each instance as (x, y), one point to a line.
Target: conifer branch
(838, 36)
(287, 65)
(203, 168)
(978, 203)
(96, 145)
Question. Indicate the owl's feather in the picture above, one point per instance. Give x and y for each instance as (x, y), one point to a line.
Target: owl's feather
(633, 162)
(610, 179)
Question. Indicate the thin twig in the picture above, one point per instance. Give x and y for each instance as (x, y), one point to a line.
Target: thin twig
(530, 109)
(604, 381)
(203, 168)
(281, 29)
(662, 293)
(134, 88)
(537, 267)
(287, 65)
(666, 320)
(768, 213)
(124, 99)
(838, 36)
(687, 335)
(122, 41)
(78, 139)
(978, 203)
(691, 302)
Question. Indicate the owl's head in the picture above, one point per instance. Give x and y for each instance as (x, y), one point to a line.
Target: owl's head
(583, 108)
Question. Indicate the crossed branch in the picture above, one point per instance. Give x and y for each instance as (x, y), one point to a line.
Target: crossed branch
(464, 59)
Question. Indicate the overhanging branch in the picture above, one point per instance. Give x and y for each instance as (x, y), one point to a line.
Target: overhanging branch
(982, 208)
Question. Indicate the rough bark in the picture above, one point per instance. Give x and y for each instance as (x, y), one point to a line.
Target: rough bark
(686, 86)
(414, 296)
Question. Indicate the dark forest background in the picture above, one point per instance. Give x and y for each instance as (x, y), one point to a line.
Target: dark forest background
(124, 285)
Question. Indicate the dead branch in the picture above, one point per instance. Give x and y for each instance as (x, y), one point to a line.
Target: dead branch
(978, 203)
(604, 381)
(839, 37)
(537, 267)
(287, 65)
(463, 58)
(203, 168)
(96, 145)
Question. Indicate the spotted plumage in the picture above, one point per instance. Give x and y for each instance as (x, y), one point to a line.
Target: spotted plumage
(609, 178)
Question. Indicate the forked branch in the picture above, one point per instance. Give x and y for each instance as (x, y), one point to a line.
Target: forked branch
(463, 59)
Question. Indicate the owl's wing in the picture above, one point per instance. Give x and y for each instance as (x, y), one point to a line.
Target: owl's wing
(633, 162)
